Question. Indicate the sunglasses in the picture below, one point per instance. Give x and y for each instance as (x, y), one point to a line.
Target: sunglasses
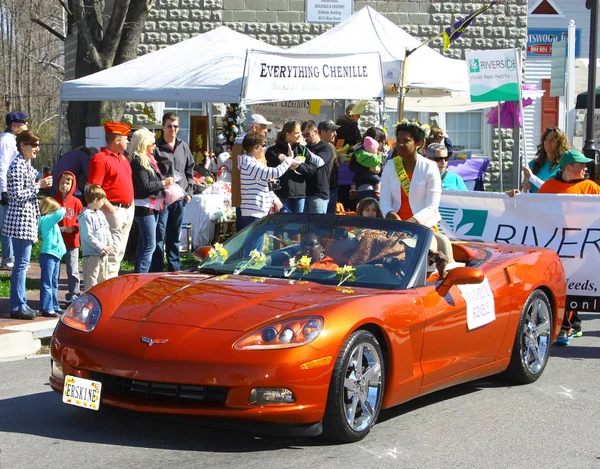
(440, 158)
(33, 145)
(171, 126)
(306, 135)
(264, 145)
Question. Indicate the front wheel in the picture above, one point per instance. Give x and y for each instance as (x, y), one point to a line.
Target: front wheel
(356, 389)
(533, 339)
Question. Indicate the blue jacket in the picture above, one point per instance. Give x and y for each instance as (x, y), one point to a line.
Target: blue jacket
(52, 240)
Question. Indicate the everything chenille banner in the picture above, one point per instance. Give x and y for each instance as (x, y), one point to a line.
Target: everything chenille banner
(568, 224)
(283, 77)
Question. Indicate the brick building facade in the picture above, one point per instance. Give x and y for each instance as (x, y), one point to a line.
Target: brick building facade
(281, 22)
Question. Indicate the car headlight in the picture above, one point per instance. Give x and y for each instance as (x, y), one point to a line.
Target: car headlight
(285, 334)
(83, 314)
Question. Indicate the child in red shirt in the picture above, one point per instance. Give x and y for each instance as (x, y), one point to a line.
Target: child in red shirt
(69, 227)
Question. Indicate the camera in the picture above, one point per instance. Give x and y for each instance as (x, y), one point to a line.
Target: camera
(274, 184)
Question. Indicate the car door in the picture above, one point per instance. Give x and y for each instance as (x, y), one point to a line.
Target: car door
(449, 347)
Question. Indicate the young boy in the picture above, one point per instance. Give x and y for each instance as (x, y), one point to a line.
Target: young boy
(67, 184)
(96, 240)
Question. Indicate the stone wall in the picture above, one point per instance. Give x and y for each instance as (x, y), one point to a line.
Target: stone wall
(281, 22)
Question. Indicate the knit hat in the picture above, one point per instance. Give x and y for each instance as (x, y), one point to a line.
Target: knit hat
(370, 144)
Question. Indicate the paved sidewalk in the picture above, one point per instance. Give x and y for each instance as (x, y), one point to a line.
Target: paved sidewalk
(23, 337)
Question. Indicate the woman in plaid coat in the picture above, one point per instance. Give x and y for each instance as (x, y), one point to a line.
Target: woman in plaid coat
(21, 222)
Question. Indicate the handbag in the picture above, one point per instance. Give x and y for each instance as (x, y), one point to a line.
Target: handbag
(173, 193)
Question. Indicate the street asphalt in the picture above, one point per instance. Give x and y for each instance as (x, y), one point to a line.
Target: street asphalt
(552, 423)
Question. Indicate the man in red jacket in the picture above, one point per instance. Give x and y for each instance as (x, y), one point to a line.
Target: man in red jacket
(69, 227)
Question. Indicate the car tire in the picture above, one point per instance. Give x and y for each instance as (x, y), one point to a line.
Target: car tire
(355, 392)
(532, 341)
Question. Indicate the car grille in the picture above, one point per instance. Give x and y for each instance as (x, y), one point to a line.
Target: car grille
(134, 388)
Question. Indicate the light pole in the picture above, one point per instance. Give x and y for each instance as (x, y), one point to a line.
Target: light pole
(589, 148)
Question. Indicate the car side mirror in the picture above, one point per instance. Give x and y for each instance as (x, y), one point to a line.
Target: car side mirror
(202, 252)
(460, 276)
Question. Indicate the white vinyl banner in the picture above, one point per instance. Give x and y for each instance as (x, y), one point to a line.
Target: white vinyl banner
(568, 224)
(284, 77)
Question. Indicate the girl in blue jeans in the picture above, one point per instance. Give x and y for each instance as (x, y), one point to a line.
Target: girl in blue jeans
(53, 249)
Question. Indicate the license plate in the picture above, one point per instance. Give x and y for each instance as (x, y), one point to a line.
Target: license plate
(82, 392)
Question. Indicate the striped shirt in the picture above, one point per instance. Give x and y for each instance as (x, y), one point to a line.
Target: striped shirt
(257, 199)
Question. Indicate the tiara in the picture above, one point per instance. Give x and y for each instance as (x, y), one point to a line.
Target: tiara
(426, 128)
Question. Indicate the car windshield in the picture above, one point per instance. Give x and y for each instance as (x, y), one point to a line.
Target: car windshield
(328, 249)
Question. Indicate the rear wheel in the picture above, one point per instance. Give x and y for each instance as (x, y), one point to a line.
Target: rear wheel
(356, 389)
(533, 339)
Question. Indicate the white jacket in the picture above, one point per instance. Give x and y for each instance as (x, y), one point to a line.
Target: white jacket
(424, 194)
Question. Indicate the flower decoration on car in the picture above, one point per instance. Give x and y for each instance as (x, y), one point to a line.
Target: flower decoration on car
(218, 253)
(302, 263)
(257, 261)
(345, 274)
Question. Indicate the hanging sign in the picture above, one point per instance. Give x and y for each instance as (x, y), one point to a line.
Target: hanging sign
(281, 76)
(493, 75)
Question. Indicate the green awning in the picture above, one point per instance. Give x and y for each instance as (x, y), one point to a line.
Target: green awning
(582, 100)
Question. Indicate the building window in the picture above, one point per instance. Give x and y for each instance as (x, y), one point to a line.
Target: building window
(184, 111)
(465, 130)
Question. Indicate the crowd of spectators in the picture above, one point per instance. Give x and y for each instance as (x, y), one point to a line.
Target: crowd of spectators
(98, 194)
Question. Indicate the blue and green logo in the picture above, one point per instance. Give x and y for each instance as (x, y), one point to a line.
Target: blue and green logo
(465, 222)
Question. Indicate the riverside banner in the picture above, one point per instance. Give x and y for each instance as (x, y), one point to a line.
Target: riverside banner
(568, 224)
(493, 75)
(283, 77)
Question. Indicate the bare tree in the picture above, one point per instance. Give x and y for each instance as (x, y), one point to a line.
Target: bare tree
(31, 61)
(104, 39)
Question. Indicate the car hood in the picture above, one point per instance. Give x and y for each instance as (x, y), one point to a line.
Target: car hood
(226, 302)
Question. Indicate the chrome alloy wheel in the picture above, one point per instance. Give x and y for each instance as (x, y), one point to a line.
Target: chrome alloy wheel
(362, 386)
(536, 336)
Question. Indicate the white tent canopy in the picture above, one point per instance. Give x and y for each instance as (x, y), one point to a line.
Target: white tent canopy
(369, 31)
(205, 68)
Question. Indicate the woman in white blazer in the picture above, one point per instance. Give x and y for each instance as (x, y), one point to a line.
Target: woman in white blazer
(424, 175)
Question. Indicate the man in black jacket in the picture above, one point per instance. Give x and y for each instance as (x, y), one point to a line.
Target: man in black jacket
(318, 141)
(174, 159)
(349, 131)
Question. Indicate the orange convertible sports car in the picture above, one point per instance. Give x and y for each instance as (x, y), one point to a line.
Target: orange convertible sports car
(311, 323)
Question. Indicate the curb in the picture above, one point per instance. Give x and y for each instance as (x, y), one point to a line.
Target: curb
(18, 340)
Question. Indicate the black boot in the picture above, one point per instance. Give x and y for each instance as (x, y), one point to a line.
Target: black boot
(22, 313)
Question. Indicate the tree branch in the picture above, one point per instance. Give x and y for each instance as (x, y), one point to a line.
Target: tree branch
(48, 28)
(112, 37)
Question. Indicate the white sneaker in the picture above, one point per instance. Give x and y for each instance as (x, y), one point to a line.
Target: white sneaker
(72, 299)
(7, 265)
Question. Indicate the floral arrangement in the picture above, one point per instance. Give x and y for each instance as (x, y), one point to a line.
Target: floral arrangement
(426, 128)
(233, 123)
(345, 274)
(218, 253)
(257, 261)
(302, 263)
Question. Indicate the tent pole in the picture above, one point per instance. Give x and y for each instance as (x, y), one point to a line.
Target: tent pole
(517, 163)
(500, 150)
(60, 113)
(402, 89)
(333, 110)
(209, 140)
